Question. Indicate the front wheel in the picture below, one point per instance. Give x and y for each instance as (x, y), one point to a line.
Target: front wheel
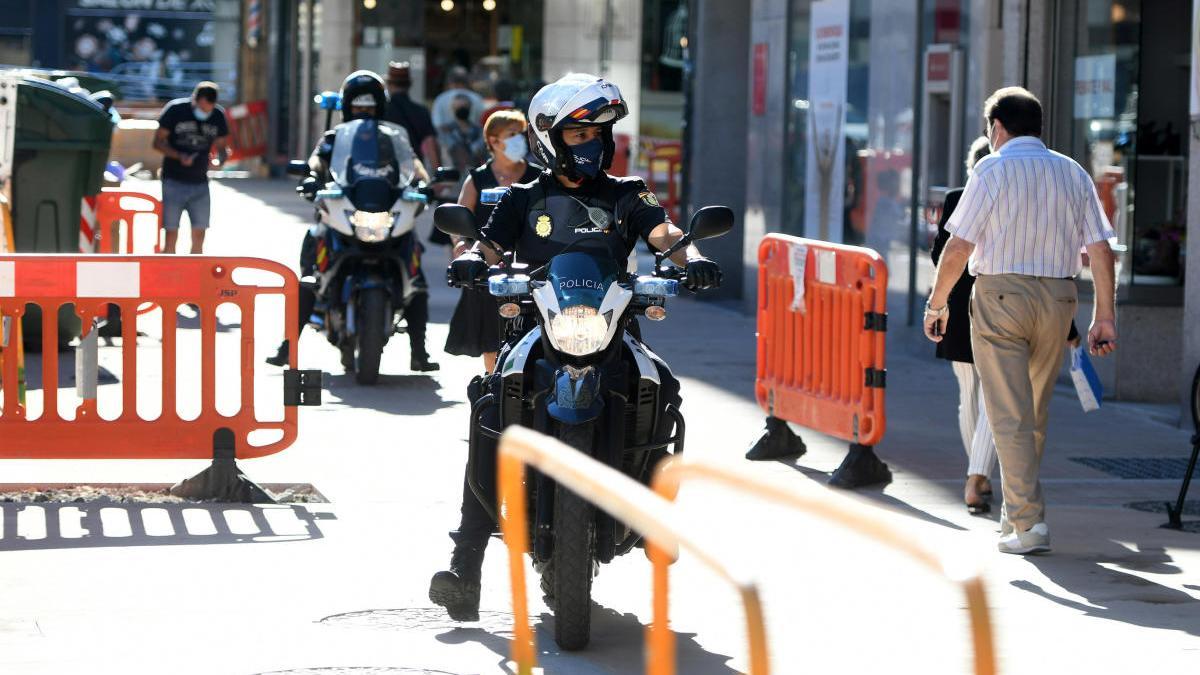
(574, 551)
(374, 320)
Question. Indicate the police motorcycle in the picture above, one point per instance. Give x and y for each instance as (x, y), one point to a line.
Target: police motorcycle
(366, 271)
(582, 374)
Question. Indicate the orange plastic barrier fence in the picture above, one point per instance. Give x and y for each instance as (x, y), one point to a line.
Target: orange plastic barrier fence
(248, 124)
(822, 321)
(665, 160)
(118, 208)
(91, 283)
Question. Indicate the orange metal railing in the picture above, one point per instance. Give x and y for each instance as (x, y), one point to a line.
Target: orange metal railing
(654, 515)
(845, 511)
(626, 500)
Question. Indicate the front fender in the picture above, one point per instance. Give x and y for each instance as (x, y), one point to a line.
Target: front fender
(577, 397)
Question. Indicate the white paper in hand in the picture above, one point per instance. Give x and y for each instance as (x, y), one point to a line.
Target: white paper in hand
(1087, 383)
(797, 261)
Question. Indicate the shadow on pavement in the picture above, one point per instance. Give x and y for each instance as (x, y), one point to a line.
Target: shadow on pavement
(57, 525)
(874, 494)
(617, 646)
(1114, 594)
(394, 394)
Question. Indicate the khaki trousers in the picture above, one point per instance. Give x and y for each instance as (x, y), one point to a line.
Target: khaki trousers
(1019, 327)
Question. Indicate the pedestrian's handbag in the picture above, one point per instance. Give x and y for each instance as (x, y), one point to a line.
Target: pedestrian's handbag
(1087, 383)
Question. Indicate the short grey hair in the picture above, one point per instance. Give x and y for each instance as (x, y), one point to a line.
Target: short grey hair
(980, 148)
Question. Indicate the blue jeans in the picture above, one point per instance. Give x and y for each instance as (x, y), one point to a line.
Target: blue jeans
(178, 196)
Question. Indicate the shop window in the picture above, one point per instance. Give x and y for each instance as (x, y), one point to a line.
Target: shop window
(1128, 126)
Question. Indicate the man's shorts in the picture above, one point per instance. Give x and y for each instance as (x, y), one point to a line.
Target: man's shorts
(177, 197)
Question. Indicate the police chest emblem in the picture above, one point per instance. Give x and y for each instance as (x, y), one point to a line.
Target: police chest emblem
(650, 198)
(543, 227)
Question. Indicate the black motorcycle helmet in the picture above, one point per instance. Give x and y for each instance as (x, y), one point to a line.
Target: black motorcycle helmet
(359, 87)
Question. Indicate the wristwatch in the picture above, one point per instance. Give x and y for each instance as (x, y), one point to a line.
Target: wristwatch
(936, 313)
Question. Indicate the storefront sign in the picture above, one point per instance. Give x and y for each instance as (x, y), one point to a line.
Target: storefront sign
(937, 67)
(154, 49)
(828, 58)
(760, 79)
(1095, 86)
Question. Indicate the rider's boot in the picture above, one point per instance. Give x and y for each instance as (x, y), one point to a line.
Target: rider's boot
(457, 589)
(417, 316)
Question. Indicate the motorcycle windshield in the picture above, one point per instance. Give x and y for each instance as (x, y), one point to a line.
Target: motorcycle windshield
(580, 278)
(371, 150)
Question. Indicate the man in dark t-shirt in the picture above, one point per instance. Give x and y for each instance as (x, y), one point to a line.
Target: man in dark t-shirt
(188, 130)
(411, 115)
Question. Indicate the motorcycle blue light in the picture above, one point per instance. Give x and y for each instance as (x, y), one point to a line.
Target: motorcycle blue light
(656, 286)
(411, 195)
(492, 195)
(330, 193)
(502, 285)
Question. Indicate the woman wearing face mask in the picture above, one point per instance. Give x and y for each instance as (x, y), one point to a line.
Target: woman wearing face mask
(463, 139)
(475, 327)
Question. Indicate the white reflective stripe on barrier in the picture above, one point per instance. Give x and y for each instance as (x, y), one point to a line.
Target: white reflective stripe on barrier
(108, 279)
(8, 279)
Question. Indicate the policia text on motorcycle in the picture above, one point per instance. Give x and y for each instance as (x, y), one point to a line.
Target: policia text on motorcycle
(363, 256)
(573, 364)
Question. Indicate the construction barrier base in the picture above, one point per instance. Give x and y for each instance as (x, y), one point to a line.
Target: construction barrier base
(223, 481)
(777, 441)
(860, 469)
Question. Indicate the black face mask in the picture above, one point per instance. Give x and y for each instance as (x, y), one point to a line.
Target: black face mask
(462, 113)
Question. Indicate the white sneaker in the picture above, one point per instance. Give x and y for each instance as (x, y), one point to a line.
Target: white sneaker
(1034, 540)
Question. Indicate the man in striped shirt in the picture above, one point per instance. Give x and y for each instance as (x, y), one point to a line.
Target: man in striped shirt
(1023, 218)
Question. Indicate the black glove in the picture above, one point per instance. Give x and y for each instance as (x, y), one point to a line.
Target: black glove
(308, 188)
(465, 269)
(702, 273)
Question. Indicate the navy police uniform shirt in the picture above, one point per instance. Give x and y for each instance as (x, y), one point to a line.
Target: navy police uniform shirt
(542, 218)
(190, 136)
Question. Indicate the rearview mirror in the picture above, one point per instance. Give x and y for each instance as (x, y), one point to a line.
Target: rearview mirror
(456, 220)
(297, 168)
(446, 174)
(709, 222)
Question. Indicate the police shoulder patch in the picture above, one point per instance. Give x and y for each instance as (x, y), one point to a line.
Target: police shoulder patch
(543, 227)
(649, 198)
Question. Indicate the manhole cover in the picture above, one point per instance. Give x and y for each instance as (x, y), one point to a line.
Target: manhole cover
(1138, 468)
(418, 618)
(355, 670)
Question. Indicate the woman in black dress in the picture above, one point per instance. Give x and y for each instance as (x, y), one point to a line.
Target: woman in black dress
(475, 326)
(956, 347)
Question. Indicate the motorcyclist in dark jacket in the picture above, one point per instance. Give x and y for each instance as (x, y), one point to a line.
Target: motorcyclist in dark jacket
(572, 121)
(363, 97)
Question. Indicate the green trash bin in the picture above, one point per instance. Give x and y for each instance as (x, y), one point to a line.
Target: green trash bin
(60, 149)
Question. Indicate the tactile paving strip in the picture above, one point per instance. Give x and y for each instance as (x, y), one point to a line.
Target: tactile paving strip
(1139, 468)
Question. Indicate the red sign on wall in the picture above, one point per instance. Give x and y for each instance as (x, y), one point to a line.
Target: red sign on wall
(760, 79)
(937, 67)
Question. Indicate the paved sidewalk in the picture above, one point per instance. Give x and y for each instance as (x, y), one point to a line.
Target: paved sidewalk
(243, 590)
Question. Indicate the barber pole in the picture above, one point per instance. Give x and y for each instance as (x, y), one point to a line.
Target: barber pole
(87, 225)
(253, 22)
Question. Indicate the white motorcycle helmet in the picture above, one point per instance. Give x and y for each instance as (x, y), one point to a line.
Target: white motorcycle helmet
(576, 99)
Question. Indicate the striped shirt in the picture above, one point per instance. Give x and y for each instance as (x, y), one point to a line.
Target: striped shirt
(1029, 210)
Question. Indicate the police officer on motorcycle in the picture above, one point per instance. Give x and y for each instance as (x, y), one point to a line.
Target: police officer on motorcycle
(363, 97)
(572, 121)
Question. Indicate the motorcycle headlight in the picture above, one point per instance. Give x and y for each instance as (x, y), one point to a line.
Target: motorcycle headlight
(370, 226)
(579, 330)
